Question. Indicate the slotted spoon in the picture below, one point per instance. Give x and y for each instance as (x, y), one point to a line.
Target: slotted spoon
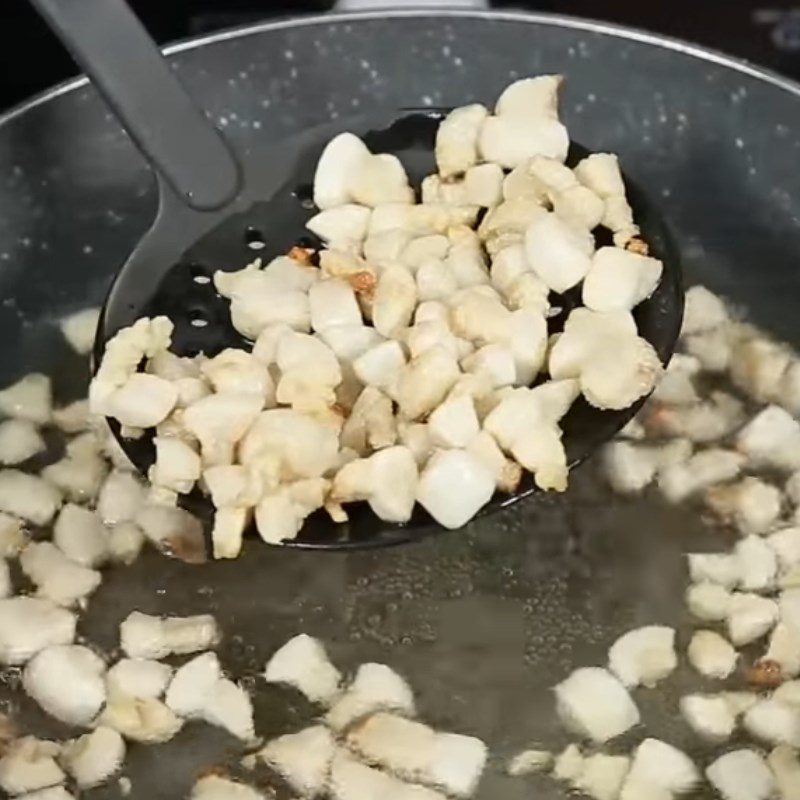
(219, 207)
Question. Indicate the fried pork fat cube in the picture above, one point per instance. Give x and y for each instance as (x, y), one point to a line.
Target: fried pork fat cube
(741, 775)
(67, 682)
(414, 752)
(119, 391)
(644, 656)
(593, 703)
(303, 663)
(29, 764)
(30, 624)
(352, 780)
(93, 758)
(348, 173)
(146, 636)
(525, 124)
(217, 787)
(375, 687)
(302, 759)
(612, 363)
(198, 690)
(710, 716)
(659, 770)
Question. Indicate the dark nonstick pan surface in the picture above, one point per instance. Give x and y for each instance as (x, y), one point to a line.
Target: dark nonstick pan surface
(482, 621)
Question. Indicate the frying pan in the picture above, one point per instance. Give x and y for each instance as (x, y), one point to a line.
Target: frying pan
(483, 621)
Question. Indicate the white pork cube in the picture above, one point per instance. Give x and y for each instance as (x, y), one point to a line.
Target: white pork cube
(786, 544)
(751, 504)
(57, 578)
(81, 535)
(456, 146)
(712, 655)
(509, 140)
(28, 497)
(529, 98)
(424, 382)
(333, 302)
(143, 401)
(445, 470)
(394, 300)
(13, 537)
(144, 720)
(120, 498)
(341, 228)
(758, 563)
(301, 445)
(380, 366)
(348, 342)
(237, 371)
(784, 649)
(177, 465)
(146, 636)
(387, 480)
(750, 617)
(771, 439)
(67, 682)
(529, 762)
(413, 751)
(29, 398)
(191, 686)
(306, 359)
(708, 601)
(30, 624)
(663, 769)
(679, 481)
(434, 280)
(29, 764)
(216, 787)
(593, 703)
(228, 706)
(79, 329)
(379, 179)
(454, 423)
(507, 473)
(785, 766)
(601, 776)
(352, 780)
(138, 677)
(495, 362)
(302, 759)
(643, 656)
(723, 569)
(703, 311)
(19, 441)
(303, 663)
(94, 757)
(774, 722)
(559, 254)
(741, 775)
(709, 716)
(341, 157)
(618, 280)
(375, 687)
(219, 421)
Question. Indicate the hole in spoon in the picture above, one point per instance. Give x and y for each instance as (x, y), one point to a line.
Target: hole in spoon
(254, 239)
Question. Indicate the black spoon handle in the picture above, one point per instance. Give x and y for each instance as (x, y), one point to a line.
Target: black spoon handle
(116, 52)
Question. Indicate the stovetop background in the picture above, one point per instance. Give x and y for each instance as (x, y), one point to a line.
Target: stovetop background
(762, 32)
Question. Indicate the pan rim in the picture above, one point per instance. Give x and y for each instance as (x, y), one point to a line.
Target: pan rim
(588, 25)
